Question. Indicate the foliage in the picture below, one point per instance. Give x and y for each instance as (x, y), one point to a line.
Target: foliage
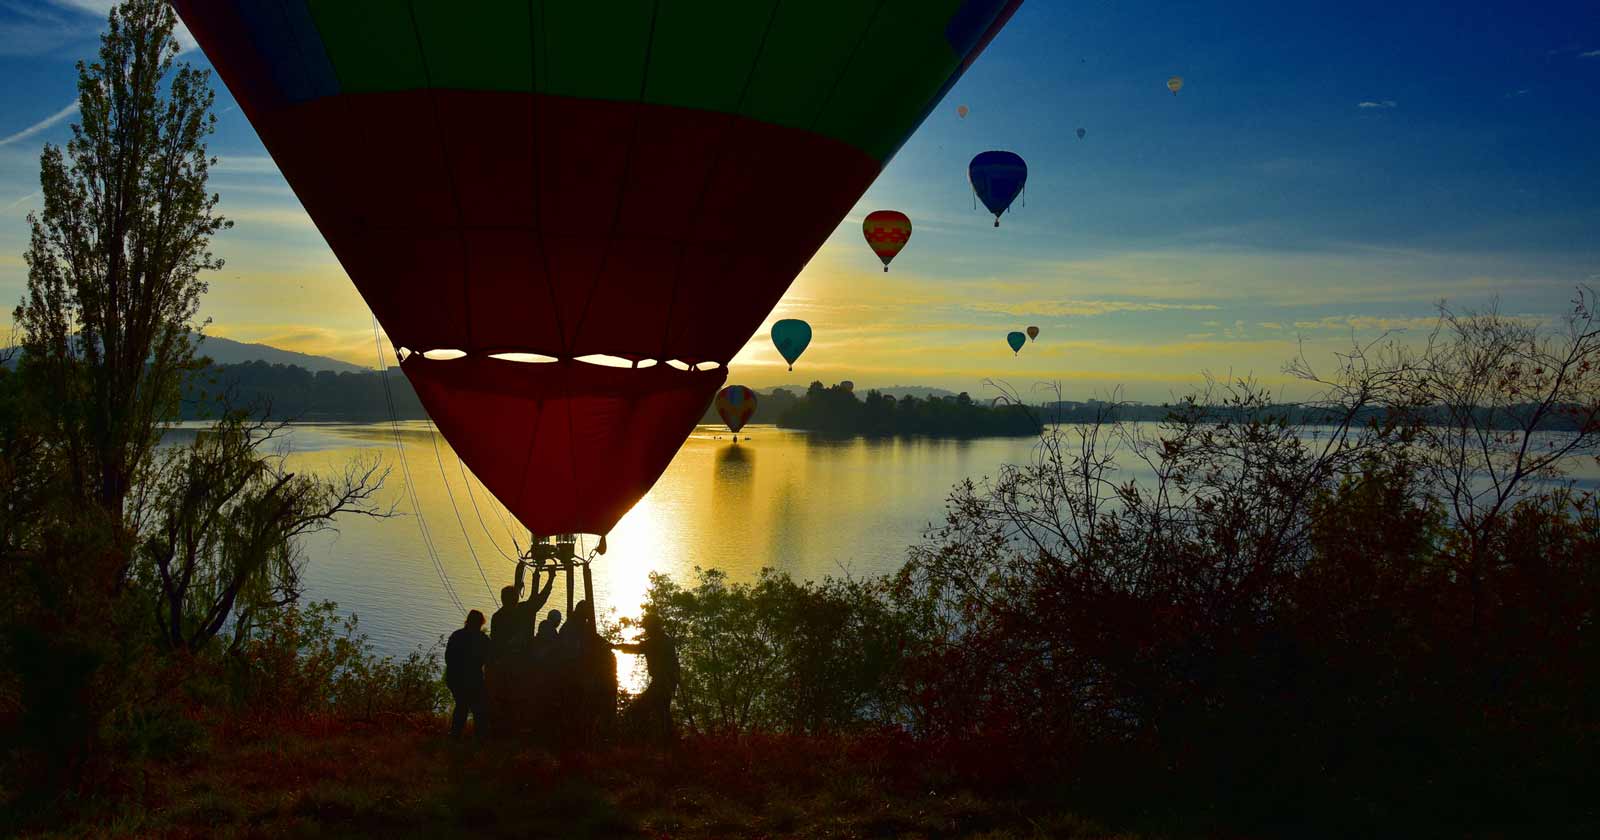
(115, 258)
(222, 544)
(781, 656)
(305, 661)
(836, 410)
(290, 392)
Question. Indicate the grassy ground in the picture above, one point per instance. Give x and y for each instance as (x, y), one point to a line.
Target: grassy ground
(408, 780)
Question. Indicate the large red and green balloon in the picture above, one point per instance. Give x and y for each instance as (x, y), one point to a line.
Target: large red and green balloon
(639, 179)
(736, 404)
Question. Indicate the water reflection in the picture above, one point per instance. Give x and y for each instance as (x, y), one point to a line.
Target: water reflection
(812, 508)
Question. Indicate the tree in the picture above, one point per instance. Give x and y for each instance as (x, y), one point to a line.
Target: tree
(224, 541)
(116, 256)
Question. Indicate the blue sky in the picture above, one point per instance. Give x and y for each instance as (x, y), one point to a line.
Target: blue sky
(1327, 167)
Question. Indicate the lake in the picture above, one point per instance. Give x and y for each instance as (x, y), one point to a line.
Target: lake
(808, 506)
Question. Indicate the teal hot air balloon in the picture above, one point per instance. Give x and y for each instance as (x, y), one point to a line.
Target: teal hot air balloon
(791, 336)
(1016, 340)
(998, 178)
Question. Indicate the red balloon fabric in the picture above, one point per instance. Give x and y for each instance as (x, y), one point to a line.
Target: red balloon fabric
(637, 180)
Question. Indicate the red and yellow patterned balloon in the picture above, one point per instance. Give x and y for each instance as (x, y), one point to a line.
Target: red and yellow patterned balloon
(887, 232)
(736, 404)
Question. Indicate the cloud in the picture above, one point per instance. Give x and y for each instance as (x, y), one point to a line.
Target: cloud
(101, 8)
(21, 201)
(1368, 323)
(245, 165)
(1382, 103)
(1068, 306)
(43, 124)
(1590, 54)
(1269, 325)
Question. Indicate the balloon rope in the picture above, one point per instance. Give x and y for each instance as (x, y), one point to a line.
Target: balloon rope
(433, 435)
(472, 497)
(411, 493)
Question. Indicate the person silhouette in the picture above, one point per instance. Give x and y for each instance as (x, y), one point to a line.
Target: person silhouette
(650, 714)
(550, 628)
(513, 624)
(464, 658)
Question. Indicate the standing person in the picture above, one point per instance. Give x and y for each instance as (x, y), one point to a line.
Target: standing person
(650, 714)
(464, 658)
(513, 624)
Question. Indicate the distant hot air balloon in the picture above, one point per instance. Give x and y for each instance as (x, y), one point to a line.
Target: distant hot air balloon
(887, 231)
(1081, 132)
(518, 183)
(997, 178)
(736, 404)
(790, 336)
(1175, 84)
(1016, 340)
(1033, 333)
(961, 110)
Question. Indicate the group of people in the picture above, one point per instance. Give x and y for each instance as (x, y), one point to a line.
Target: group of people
(553, 678)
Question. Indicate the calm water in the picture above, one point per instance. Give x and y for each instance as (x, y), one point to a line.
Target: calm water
(806, 506)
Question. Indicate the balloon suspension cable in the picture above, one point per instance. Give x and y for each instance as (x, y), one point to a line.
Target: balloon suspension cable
(466, 481)
(433, 435)
(405, 469)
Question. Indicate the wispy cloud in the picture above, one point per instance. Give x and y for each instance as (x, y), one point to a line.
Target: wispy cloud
(21, 201)
(1057, 308)
(100, 8)
(1590, 54)
(1379, 103)
(43, 124)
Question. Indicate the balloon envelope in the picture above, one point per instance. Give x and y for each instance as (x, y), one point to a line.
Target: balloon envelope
(1016, 340)
(887, 232)
(1033, 332)
(736, 404)
(961, 110)
(1175, 84)
(791, 336)
(1081, 133)
(640, 181)
(997, 178)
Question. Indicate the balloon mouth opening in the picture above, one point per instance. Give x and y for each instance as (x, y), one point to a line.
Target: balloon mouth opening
(525, 357)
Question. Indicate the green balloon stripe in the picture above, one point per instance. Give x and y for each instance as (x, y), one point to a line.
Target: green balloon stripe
(856, 71)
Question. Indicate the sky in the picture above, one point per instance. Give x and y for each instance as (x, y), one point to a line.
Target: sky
(1330, 172)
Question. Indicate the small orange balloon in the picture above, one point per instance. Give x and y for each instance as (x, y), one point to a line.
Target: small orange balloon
(962, 111)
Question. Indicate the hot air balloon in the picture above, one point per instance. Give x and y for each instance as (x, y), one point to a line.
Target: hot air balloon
(1175, 84)
(1033, 333)
(997, 178)
(527, 193)
(1016, 340)
(736, 404)
(1081, 133)
(961, 111)
(790, 336)
(887, 232)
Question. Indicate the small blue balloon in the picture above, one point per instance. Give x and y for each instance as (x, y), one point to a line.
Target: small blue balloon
(791, 336)
(998, 178)
(1016, 340)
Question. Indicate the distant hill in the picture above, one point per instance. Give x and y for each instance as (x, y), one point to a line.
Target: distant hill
(226, 351)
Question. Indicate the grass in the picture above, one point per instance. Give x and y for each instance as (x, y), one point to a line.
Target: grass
(406, 779)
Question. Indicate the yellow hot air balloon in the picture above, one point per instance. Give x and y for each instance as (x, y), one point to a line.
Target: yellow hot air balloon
(962, 110)
(1175, 84)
